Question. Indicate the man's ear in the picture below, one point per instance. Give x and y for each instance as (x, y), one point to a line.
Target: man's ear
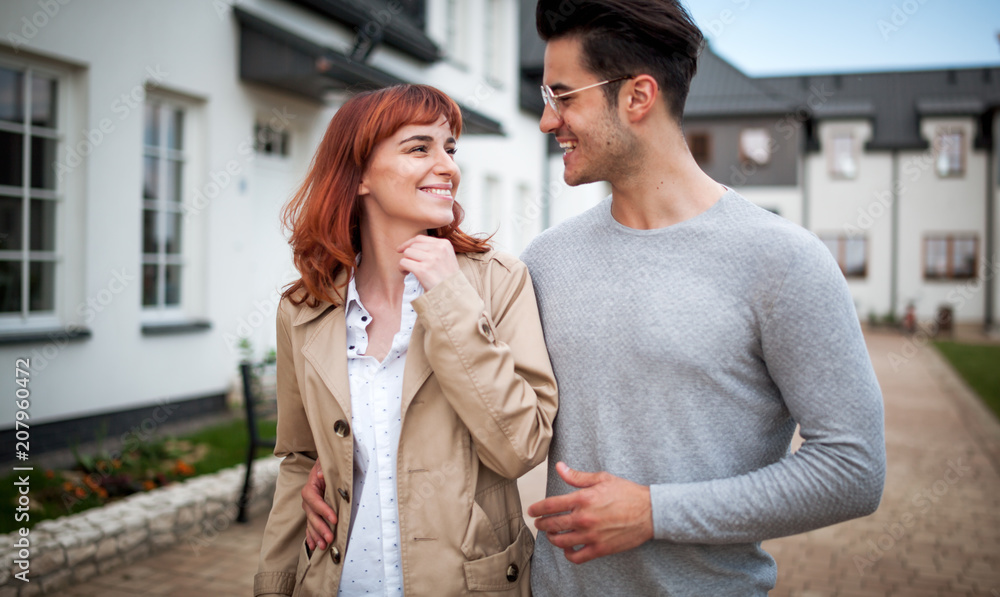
(641, 95)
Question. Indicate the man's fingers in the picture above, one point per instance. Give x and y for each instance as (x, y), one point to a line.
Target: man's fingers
(552, 505)
(566, 540)
(554, 524)
(579, 556)
(577, 478)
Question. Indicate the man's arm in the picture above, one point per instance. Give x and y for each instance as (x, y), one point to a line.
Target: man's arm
(815, 353)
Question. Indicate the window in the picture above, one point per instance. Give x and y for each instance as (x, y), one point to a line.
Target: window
(269, 140)
(950, 256)
(456, 26)
(162, 221)
(843, 161)
(700, 144)
(950, 147)
(851, 253)
(492, 205)
(755, 146)
(493, 40)
(29, 140)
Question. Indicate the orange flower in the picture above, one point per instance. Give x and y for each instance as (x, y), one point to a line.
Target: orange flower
(67, 486)
(80, 492)
(183, 468)
(102, 492)
(147, 485)
(116, 463)
(90, 482)
(49, 474)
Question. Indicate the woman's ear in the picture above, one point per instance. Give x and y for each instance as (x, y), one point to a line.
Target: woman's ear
(363, 188)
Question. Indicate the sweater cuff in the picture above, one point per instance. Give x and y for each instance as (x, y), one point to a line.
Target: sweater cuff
(273, 583)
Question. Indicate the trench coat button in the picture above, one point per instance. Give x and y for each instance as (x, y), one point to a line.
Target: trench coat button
(486, 328)
(344, 495)
(335, 553)
(341, 428)
(512, 572)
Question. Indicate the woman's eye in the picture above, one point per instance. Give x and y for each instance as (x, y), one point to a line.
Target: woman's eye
(452, 150)
(422, 148)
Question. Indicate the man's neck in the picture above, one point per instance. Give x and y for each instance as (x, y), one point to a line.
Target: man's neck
(667, 188)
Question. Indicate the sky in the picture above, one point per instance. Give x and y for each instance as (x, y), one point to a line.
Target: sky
(786, 37)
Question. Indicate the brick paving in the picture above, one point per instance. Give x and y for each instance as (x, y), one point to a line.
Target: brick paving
(936, 533)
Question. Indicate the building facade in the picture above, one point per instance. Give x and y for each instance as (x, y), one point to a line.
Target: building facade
(147, 149)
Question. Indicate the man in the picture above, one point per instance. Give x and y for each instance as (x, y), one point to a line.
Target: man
(689, 332)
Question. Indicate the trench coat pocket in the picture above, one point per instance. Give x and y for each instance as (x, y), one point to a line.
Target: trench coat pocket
(505, 570)
(305, 562)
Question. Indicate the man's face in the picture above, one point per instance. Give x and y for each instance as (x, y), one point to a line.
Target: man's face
(597, 145)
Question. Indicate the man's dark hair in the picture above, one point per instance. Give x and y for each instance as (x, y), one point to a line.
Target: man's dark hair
(629, 37)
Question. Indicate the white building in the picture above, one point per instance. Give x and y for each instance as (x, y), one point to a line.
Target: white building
(147, 148)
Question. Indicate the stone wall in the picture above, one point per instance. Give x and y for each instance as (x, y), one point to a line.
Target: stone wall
(75, 548)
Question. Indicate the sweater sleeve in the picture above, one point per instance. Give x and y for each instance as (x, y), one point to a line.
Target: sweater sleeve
(814, 351)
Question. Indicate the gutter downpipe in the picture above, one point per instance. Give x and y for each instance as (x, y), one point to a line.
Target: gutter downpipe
(991, 225)
(894, 269)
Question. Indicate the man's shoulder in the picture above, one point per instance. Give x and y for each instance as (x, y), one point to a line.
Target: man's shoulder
(754, 227)
(567, 236)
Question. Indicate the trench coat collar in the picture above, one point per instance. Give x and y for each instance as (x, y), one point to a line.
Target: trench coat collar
(325, 347)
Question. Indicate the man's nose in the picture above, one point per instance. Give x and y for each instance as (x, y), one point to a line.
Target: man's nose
(550, 120)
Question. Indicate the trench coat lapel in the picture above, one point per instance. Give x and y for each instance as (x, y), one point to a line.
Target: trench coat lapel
(325, 348)
(417, 368)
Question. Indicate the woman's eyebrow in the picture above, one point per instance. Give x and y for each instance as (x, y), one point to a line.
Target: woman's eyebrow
(425, 139)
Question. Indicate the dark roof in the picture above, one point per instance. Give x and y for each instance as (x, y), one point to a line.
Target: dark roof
(278, 58)
(895, 101)
(721, 89)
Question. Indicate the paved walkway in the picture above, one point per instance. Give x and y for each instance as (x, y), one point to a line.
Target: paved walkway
(937, 531)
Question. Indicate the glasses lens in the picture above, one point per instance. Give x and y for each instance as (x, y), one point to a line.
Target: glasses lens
(548, 98)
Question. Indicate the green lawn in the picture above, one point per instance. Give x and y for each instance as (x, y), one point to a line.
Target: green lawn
(979, 365)
(53, 493)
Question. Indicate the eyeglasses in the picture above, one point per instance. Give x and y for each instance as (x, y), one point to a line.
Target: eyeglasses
(550, 97)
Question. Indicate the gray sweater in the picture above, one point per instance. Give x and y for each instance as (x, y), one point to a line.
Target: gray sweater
(685, 357)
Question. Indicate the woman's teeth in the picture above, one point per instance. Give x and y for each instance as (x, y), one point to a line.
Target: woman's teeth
(442, 192)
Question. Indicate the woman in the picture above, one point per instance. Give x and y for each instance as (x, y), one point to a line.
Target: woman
(411, 366)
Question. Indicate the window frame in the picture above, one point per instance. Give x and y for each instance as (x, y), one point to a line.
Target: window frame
(746, 158)
(940, 150)
(705, 141)
(840, 256)
(162, 204)
(835, 168)
(25, 318)
(949, 238)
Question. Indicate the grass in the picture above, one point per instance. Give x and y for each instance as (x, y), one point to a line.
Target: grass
(97, 480)
(979, 365)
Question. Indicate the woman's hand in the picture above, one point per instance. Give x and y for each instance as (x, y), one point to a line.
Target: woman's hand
(430, 259)
(320, 517)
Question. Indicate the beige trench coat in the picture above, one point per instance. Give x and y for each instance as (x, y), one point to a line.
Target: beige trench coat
(478, 402)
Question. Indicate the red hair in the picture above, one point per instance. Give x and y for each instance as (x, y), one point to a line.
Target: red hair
(325, 213)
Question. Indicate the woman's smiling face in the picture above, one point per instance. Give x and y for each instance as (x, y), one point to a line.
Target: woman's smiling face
(412, 178)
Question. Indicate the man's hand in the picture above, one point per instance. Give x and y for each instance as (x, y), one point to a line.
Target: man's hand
(607, 515)
(430, 259)
(320, 517)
